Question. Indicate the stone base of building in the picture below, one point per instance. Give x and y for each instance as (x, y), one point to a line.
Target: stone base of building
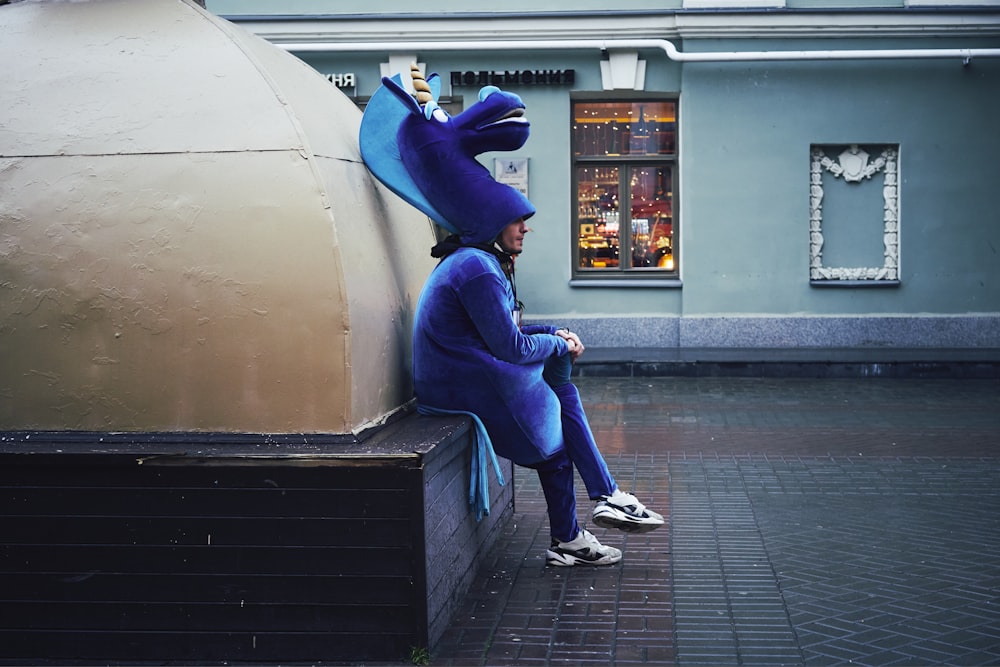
(959, 331)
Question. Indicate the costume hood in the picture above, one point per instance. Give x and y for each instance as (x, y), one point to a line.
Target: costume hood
(427, 157)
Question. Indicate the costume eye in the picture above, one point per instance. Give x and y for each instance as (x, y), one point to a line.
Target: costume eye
(433, 111)
(486, 91)
(429, 107)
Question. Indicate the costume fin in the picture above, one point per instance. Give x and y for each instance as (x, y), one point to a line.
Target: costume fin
(380, 150)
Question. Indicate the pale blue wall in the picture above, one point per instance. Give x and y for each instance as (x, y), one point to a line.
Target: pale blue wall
(544, 271)
(745, 136)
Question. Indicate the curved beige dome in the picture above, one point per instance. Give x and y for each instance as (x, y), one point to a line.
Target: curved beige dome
(189, 240)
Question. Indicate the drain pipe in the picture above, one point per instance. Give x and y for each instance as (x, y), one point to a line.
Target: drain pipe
(966, 55)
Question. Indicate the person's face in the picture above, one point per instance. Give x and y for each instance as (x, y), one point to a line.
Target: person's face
(511, 239)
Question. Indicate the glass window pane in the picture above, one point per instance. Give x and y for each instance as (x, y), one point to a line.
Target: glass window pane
(625, 150)
(624, 128)
(597, 197)
(651, 214)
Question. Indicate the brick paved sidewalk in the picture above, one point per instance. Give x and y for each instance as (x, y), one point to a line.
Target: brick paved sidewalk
(836, 561)
(812, 522)
(521, 611)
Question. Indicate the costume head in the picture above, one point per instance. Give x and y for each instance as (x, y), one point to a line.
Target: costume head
(428, 157)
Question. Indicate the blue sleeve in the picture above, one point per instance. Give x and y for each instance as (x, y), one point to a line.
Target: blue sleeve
(487, 302)
(530, 329)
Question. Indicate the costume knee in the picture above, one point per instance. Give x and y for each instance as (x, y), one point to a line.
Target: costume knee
(558, 370)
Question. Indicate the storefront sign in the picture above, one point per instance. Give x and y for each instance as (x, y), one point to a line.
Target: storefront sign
(345, 80)
(505, 79)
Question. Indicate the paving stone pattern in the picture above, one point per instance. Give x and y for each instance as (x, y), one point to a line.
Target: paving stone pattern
(812, 522)
(522, 612)
(836, 561)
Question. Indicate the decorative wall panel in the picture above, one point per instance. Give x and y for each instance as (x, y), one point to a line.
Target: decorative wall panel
(853, 164)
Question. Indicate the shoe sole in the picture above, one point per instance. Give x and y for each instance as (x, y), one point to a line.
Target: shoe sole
(625, 523)
(569, 560)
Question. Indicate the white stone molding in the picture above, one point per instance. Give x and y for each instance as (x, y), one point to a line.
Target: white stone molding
(623, 70)
(399, 63)
(343, 25)
(729, 4)
(853, 165)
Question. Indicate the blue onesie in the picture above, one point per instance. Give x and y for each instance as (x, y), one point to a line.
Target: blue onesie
(469, 354)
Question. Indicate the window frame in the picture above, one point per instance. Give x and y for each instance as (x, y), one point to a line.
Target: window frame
(625, 164)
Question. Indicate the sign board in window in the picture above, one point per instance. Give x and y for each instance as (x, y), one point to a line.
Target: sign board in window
(513, 172)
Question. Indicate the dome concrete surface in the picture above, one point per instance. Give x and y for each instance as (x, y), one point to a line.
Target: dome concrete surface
(189, 240)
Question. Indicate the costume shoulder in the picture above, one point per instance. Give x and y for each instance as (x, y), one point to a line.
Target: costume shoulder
(469, 263)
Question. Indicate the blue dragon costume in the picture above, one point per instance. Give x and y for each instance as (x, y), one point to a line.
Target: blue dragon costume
(470, 354)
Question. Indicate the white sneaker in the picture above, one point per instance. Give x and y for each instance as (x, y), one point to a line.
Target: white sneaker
(622, 511)
(582, 550)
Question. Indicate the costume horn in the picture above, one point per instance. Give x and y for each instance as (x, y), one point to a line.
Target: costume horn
(423, 91)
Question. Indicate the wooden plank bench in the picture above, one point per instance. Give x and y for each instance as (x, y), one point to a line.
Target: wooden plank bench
(221, 547)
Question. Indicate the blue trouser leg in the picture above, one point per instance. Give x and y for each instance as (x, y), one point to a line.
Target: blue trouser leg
(579, 449)
(556, 477)
(558, 370)
(581, 446)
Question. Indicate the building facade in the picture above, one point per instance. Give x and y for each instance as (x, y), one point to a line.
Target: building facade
(710, 173)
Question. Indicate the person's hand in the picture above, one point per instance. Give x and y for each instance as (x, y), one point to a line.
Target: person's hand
(575, 344)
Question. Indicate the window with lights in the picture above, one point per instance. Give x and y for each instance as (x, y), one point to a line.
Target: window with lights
(624, 171)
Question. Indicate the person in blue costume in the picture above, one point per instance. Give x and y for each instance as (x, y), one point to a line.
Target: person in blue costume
(470, 351)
